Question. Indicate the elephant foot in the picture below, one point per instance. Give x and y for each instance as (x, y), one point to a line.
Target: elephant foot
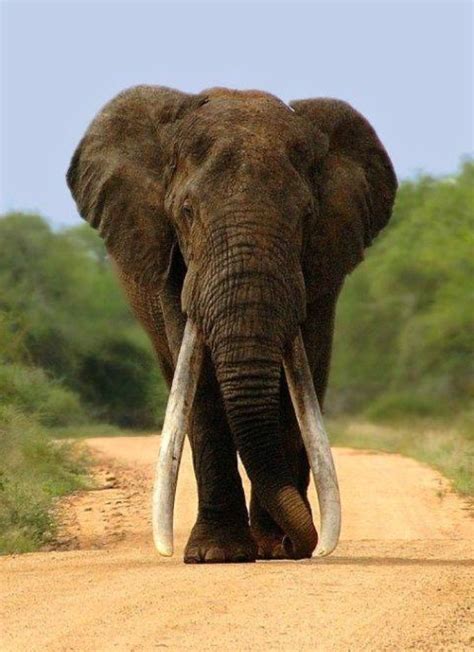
(219, 543)
(272, 543)
(270, 546)
(268, 536)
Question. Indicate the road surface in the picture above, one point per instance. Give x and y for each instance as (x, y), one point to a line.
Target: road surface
(402, 577)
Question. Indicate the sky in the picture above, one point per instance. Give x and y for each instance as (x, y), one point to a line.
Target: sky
(407, 66)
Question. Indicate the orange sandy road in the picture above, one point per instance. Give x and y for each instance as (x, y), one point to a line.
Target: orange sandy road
(402, 577)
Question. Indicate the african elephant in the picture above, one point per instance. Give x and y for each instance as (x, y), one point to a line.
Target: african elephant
(233, 218)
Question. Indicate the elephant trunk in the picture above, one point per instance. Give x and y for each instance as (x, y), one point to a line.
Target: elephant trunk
(250, 314)
(250, 386)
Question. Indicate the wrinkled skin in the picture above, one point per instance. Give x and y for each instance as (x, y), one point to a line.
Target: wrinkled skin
(245, 215)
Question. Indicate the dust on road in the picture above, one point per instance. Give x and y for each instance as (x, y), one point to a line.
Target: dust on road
(402, 577)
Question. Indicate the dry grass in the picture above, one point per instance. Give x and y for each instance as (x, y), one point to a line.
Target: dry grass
(446, 447)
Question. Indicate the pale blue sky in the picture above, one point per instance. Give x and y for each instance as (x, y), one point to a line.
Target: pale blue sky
(406, 65)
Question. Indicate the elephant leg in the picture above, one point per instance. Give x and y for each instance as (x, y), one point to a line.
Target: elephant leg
(221, 532)
(317, 335)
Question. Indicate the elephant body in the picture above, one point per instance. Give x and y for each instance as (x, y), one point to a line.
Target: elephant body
(244, 215)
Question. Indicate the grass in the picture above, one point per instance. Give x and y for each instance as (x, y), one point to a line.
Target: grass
(446, 446)
(34, 471)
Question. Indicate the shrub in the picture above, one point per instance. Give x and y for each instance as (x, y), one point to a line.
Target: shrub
(33, 393)
(122, 382)
(401, 405)
(33, 471)
(404, 322)
(62, 310)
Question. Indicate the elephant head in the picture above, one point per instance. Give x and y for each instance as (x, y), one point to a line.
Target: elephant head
(268, 205)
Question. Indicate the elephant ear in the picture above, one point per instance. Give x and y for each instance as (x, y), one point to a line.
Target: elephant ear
(118, 178)
(355, 187)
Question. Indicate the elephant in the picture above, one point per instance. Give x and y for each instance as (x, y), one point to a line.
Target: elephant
(232, 219)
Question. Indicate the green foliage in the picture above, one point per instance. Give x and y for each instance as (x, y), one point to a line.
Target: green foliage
(70, 354)
(62, 310)
(33, 393)
(33, 471)
(404, 327)
(121, 383)
(399, 405)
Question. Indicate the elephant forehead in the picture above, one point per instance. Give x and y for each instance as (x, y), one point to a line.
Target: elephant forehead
(249, 97)
(252, 126)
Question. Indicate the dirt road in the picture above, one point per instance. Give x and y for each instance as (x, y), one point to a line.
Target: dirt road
(402, 577)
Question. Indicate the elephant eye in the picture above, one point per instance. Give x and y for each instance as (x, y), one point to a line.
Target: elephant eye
(187, 209)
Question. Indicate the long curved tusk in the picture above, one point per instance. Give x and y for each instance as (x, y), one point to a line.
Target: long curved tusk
(178, 410)
(315, 439)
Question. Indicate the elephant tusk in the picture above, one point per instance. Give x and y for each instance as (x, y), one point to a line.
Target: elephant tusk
(315, 439)
(175, 425)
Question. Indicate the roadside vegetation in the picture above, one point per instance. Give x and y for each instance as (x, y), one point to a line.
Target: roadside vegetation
(447, 446)
(63, 320)
(74, 362)
(404, 342)
(404, 347)
(34, 470)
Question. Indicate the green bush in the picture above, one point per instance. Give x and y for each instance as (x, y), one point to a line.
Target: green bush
(33, 393)
(62, 310)
(404, 322)
(402, 405)
(121, 381)
(33, 471)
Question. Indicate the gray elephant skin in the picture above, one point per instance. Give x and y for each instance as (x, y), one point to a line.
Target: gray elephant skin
(243, 215)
